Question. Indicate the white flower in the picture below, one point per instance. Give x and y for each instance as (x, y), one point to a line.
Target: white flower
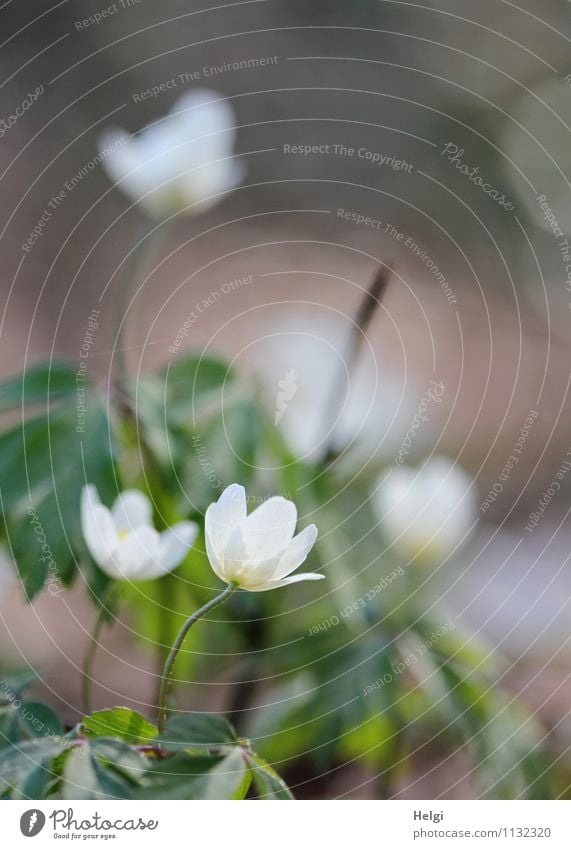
(426, 512)
(181, 163)
(258, 551)
(123, 541)
(378, 400)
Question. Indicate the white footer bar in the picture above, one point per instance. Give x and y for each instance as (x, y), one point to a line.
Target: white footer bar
(295, 825)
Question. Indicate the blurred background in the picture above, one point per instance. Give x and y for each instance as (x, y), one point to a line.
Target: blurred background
(428, 97)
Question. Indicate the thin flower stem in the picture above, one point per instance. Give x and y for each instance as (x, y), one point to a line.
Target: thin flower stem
(145, 244)
(87, 669)
(166, 677)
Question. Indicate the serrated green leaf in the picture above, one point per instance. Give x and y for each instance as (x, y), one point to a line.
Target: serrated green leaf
(120, 723)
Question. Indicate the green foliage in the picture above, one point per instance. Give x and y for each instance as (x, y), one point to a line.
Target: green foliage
(117, 754)
(44, 463)
(202, 425)
(268, 783)
(120, 723)
(343, 688)
(40, 385)
(193, 731)
(38, 720)
(381, 696)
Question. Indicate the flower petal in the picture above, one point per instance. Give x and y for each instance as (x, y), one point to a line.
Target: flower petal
(97, 526)
(296, 552)
(294, 579)
(223, 517)
(131, 510)
(217, 563)
(134, 553)
(203, 112)
(268, 530)
(175, 542)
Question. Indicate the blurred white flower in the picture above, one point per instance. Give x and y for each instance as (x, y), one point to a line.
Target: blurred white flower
(258, 551)
(123, 541)
(181, 163)
(287, 387)
(426, 512)
(378, 400)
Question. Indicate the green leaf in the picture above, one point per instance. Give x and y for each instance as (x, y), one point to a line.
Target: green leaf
(38, 720)
(120, 723)
(196, 731)
(191, 777)
(211, 434)
(102, 769)
(20, 761)
(44, 464)
(39, 384)
(9, 731)
(228, 780)
(175, 778)
(268, 783)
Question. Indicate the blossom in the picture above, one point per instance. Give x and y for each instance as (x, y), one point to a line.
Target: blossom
(258, 551)
(123, 541)
(182, 163)
(426, 512)
(302, 361)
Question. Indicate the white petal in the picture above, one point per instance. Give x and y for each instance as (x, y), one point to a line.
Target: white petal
(205, 113)
(135, 551)
(97, 526)
(234, 563)
(294, 579)
(175, 542)
(204, 187)
(216, 562)
(223, 517)
(296, 552)
(142, 167)
(268, 530)
(89, 496)
(122, 159)
(132, 510)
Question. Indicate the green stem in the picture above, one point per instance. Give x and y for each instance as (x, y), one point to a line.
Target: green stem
(149, 238)
(87, 669)
(169, 665)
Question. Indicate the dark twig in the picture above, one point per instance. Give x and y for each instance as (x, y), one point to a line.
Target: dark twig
(363, 317)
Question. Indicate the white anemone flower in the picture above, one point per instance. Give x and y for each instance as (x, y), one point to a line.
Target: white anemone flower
(302, 357)
(123, 541)
(426, 512)
(182, 163)
(258, 552)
